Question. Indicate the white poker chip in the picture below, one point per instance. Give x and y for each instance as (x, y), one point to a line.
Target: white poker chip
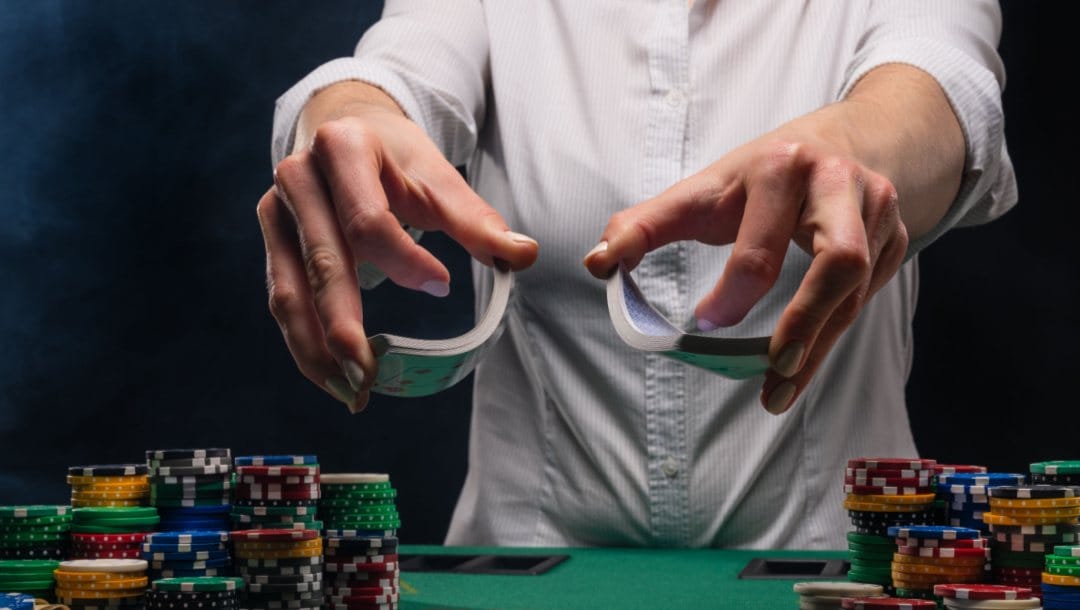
(839, 588)
(104, 565)
(348, 478)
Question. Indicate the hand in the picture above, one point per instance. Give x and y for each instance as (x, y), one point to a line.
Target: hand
(790, 185)
(359, 169)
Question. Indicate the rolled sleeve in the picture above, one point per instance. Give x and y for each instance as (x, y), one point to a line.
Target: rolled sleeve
(955, 42)
(430, 56)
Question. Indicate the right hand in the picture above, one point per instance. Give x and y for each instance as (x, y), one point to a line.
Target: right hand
(358, 170)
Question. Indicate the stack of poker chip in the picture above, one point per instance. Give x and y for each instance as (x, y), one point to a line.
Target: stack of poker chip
(361, 520)
(16, 601)
(967, 496)
(826, 595)
(986, 597)
(33, 577)
(268, 561)
(111, 532)
(187, 554)
(1029, 521)
(109, 485)
(195, 593)
(292, 479)
(941, 505)
(191, 487)
(1061, 580)
(101, 584)
(34, 532)
(928, 555)
(885, 603)
(882, 493)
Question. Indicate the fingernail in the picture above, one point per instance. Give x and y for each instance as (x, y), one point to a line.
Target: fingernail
(780, 397)
(339, 387)
(600, 247)
(787, 363)
(521, 238)
(706, 325)
(354, 374)
(435, 288)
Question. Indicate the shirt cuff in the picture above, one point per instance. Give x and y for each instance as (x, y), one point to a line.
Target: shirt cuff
(987, 188)
(288, 107)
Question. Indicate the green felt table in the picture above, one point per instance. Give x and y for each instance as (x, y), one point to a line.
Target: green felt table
(607, 578)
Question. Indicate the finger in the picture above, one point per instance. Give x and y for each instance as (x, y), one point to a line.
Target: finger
(292, 307)
(890, 240)
(350, 159)
(841, 264)
(329, 268)
(707, 206)
(779, 393)
(775, 194)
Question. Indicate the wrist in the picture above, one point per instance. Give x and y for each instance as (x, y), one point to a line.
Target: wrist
(342, 99)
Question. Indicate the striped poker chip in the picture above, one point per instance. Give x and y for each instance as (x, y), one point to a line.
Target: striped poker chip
(275, 535)
(354, 478)
(980, 591)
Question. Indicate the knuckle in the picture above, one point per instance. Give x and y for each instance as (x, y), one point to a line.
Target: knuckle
(782, 158)
(339, 334)
(361, 224)
(340, 136)
(849, 260)
(323, 267)
(848, 311)
(838, 173)
(283, 301)
(291, 169)
(626, 222)
(757, 262)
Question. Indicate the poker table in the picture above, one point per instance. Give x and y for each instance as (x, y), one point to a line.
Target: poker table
(624, 578)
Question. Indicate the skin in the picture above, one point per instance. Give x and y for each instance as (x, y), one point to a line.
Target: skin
(848, 184)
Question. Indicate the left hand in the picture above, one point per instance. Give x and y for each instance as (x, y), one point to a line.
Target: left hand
(799, 183)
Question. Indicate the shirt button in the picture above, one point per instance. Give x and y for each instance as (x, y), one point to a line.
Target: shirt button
(675, 98)
(670, 467)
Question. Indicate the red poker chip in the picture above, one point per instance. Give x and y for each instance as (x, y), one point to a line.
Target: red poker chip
(885, 603)
(108, 538)
(869, 473)
(943, 552)
(885, 490)
(892, 463)
(978, 591)
(277, 471)
(134, 554)
(959, 469)
(280, 480)
(274, 535)
(965, 543)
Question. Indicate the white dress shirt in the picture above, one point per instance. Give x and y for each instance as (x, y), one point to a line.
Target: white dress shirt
(566, 111)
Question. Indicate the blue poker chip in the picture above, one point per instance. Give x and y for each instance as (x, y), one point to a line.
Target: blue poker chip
(983, 478)
(939, 532)
(16, 601)
(179, 556)
(275, 460)
(176, 537)
(179, 547)
(192, 525)
(1057, 596)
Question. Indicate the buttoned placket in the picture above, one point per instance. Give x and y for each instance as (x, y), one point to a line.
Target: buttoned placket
(662, 274)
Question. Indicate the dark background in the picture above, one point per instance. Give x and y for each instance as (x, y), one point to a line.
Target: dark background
(134, 143)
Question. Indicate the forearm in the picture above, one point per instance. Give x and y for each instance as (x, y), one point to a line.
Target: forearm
(898, 122)
(339, 100)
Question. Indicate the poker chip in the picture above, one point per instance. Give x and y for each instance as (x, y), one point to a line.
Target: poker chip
(276, 460)
(191, 488)
(885, 603)
(188, 454)
(356, 479)
(994, 604)
(1002, 519)
(199, 584)
(16, 601)
(1056, 467)
(34, 532)
(108, 470)
(892, 463)
(934, 531)
(1017, 492)
(188, 537)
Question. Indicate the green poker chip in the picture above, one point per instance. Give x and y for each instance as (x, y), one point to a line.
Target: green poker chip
(360, 497)
(1056, 467)
(871, 539)
(363, 525)
(1063, 570)
(350, 487)
(32, 537)
(1062, 560)
(9, 522)
(35, 529)
(35, 510)
(199, 583)
(377, 509)
(28, 566)
(22, 585)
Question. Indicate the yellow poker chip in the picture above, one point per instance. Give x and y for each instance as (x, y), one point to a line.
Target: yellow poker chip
(110, 495)
(1033, 502)
(877, 507)
(924, 579)
(1020, 513)
(140, 479)
(898, 499)
(284, 554)
(996, 519)
(70, 576)
(107, 503)
(1057, 579)
(109, 585)
(68, 596)
(923, 568)
(939, 561)
(314, 543)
